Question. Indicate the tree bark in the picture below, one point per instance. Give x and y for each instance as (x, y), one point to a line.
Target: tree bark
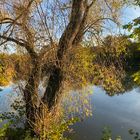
(31, 93)
(66, 41)
(53, 87)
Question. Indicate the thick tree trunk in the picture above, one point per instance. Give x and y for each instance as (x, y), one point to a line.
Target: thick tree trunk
(66, 41)
(52, 93)
(53, 87)
(31, 94)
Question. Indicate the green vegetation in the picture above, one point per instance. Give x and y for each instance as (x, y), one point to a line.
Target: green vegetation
(107, 134)
(55, 133)
(6, 70)
(14, 128)
(134, 27)
(58, 53)
(12, 68)
(135, 135)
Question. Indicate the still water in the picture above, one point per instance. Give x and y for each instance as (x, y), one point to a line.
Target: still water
(120, 113)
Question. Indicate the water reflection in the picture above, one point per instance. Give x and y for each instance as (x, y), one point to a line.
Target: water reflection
(121, 113)
(7, 96)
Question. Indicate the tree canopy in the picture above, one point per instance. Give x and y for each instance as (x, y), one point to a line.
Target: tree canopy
(52, 36)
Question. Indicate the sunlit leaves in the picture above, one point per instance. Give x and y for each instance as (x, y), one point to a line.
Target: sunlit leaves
(109, 63)
(136, 77)
(3, 130)
(80, 69)
(6, 70)
(134, 29)
(128, 26)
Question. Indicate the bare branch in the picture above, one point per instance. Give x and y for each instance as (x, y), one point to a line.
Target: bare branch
(14, 41)
(25, 45)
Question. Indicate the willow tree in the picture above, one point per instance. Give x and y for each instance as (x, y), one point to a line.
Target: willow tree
(41, 27)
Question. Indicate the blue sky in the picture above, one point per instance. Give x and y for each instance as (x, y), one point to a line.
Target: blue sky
(130, 13)
(127, 15)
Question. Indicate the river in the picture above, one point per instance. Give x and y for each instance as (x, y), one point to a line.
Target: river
(119, 112)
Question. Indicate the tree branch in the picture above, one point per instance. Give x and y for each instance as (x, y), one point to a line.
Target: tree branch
(8, 20)
(13, 40)
(66, 41)
(81, 32)
(72, 29)
(27, 47)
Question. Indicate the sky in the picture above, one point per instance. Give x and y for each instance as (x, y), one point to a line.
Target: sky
(130, 13)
